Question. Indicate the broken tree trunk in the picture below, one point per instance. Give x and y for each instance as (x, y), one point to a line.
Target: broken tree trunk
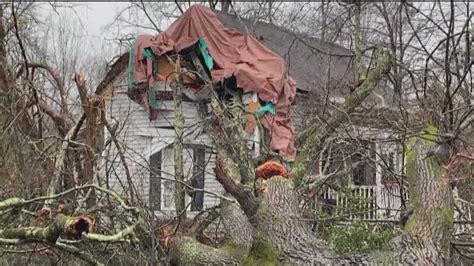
(276, 233)
(279, 233)
(55, 184)
(62, 225)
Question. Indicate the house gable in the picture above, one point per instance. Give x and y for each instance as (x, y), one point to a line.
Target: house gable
(142, 138)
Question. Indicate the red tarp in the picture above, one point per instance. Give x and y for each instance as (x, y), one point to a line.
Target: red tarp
(256, 68)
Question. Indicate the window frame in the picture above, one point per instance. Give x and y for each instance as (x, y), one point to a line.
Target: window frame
(157, 186)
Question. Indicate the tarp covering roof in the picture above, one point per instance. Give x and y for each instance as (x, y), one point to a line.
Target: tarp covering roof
(313, 63)
(255, 67)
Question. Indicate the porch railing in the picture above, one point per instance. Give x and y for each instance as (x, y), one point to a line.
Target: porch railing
(367, 202)
(383, 203)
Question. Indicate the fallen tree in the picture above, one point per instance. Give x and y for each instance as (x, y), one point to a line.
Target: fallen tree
(271, 225)
(64, 230)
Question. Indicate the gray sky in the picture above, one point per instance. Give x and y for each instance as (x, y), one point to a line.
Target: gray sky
(93, 18)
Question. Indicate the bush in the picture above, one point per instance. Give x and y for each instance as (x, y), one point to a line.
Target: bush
(359, 238)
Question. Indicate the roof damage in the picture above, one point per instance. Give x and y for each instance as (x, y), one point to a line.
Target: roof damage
(228, 55)
(263, 66)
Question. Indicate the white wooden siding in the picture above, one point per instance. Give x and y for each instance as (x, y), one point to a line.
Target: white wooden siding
(141, 138)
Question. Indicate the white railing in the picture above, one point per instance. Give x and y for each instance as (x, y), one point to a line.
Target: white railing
(367, 202)
(360, 203)
(383, 203)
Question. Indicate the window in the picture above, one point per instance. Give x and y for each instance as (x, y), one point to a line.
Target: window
(364, 173)
(388, 168)
(161, 190)
(333, 159)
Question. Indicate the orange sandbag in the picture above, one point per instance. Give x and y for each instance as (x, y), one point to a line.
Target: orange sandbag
(269, 169)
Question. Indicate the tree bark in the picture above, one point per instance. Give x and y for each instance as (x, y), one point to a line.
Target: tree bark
(73, 226)
(179, 193)
(186, 250)
(278, 226)
(428, 232)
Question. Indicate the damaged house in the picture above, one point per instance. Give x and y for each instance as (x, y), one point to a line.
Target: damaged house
(276, 74)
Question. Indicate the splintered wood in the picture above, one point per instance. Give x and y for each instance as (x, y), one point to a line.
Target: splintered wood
(270, 169)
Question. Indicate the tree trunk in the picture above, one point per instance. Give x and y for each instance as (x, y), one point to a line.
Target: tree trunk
(275, 230)
(279, 223)
(187, 250)
(278, 227)
(428, 232)
(276, 234)
(179, 193)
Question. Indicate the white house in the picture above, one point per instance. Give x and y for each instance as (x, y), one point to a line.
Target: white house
(148, 148)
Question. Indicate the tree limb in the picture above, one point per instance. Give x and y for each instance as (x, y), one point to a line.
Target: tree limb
(55, 184)
(179, 193)
(121, 156)
(78, 253)
(129, 230)
(57, 79)
(18, 202)
(243, 194)
(73, 226)
(317, 134)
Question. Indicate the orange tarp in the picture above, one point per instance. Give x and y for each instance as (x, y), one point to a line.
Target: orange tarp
(255, 67)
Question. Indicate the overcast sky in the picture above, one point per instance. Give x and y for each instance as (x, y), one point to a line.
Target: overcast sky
(94, 17)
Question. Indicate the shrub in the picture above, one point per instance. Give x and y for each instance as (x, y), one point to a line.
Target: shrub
(359, 238)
